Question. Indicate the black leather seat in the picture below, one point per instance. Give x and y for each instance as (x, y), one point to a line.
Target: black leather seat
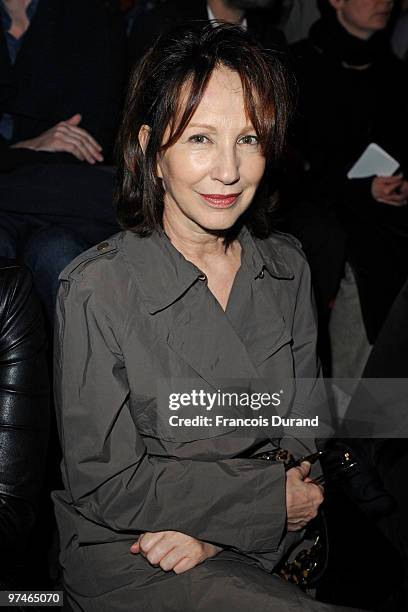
(24, 415)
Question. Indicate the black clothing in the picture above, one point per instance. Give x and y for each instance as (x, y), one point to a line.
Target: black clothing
(352, 93)
(389, 358)
(148, 27)
(344, 106)
(24, 409)
(71, 61)
(362, 536)
(63, 193)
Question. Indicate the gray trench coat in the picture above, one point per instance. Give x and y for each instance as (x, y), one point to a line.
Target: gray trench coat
(131, 312)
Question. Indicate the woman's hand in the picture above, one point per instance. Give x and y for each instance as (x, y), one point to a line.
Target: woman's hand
(303, 497)
(391, 190)
(66, 137)
(172, 550)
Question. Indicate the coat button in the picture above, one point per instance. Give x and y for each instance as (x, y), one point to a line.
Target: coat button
(202, 277)
(102, 246)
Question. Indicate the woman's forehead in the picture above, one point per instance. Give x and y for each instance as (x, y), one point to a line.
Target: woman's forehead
(222, 98)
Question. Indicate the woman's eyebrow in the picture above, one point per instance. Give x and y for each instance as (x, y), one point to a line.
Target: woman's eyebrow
(206, 126)
(213, 128)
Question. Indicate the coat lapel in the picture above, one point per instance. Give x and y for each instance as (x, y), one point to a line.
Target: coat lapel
(254, 307)
(204, 338)
(259, 320)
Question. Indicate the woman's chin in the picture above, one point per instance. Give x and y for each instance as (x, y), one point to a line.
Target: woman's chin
(218, 227)
(219, 222)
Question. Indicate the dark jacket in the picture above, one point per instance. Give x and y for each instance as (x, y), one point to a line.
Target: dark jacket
(24, 407)
(134, 320)
(148, 27)
(353, 93)
(71, 61)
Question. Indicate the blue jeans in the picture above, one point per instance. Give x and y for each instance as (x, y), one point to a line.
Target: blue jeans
(46, 248)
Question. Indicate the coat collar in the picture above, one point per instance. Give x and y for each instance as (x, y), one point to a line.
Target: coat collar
(163, 274)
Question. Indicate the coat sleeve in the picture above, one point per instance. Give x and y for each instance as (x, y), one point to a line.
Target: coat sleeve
(109, 476)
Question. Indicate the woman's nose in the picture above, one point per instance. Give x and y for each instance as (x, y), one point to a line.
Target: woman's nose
(226, 166)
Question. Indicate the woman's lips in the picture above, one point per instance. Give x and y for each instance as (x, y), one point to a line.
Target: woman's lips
(218, 200)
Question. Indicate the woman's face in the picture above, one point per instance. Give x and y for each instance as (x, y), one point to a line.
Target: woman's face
(211, 173)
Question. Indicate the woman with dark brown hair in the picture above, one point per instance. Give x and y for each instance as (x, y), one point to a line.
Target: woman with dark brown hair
(158, 512)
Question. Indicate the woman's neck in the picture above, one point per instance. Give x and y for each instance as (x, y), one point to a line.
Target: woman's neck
(196, 244)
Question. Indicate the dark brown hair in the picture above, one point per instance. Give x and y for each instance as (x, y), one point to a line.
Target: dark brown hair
(182, 62)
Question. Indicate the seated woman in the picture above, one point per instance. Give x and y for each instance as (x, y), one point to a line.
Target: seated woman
(194, 291)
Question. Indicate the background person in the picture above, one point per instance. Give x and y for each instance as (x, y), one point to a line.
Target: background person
(345, 71)
(62, 67)
(257, 16)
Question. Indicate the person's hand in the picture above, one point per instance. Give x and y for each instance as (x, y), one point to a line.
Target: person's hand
(66, 137)
(391, 190)
(172, 550)
(403, 190)
(303, 497)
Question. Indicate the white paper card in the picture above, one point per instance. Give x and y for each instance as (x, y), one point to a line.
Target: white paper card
(373, 162)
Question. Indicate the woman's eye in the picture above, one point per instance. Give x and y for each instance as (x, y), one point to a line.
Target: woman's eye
(249, 140)
(198, 139)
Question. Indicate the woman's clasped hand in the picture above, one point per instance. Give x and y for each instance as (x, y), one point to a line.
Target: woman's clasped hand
(172, 550)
